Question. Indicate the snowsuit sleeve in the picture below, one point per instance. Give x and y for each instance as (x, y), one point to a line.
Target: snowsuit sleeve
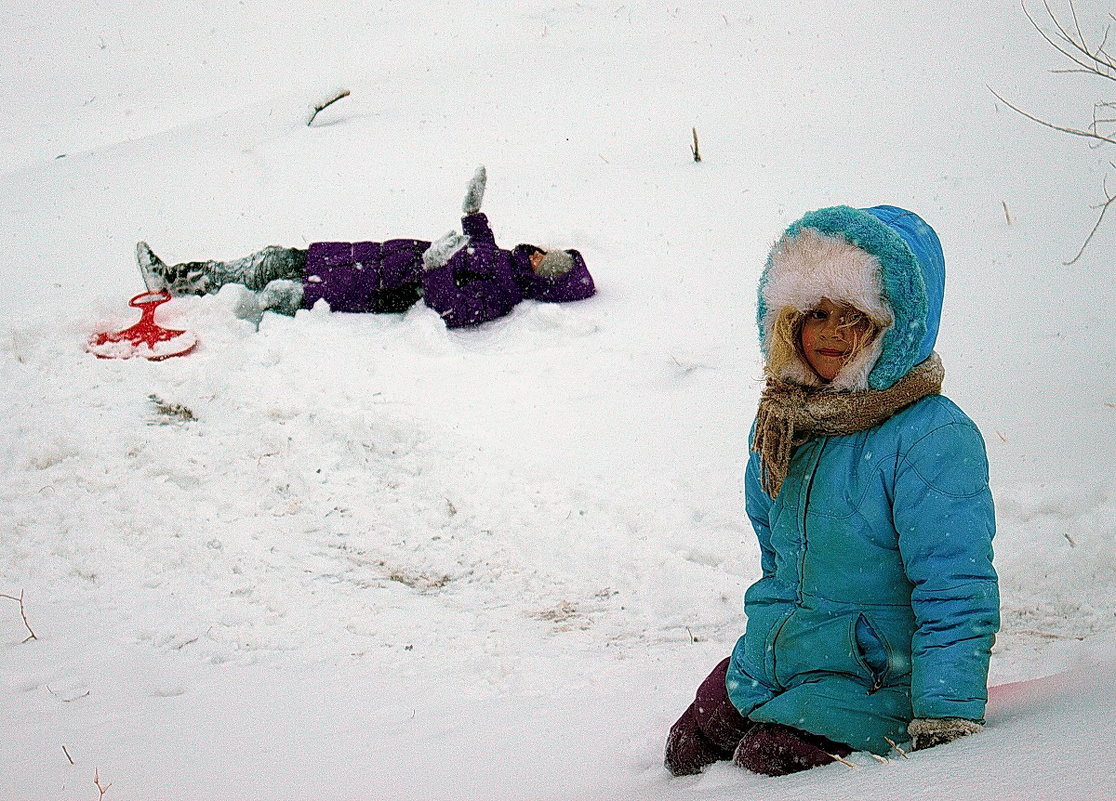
(758, 506)
(476, 284)
(944, 516)
(476, 227)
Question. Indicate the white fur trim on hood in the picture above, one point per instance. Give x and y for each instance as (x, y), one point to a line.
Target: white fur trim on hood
(811, 266)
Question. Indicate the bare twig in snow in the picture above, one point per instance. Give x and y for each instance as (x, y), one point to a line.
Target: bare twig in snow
(67, 753)
(844, 762)
(879, 758)
(97, 783)
(898, 750)
(23, 613)
(318, 108)
(1007, 214)
(171, 412)
(85, 694)
(694, 148)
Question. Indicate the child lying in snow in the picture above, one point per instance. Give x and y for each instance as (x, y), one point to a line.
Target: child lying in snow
(868, 490)
(466, 278)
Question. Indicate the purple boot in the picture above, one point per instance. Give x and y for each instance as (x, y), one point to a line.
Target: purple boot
(708, 730)
(773, 749)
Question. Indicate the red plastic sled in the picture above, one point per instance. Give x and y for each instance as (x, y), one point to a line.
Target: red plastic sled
(145, 339)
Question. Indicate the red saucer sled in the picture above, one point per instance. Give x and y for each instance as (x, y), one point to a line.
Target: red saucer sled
(145, 339)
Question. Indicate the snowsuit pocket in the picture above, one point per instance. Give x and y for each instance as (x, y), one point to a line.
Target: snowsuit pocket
(814, 641)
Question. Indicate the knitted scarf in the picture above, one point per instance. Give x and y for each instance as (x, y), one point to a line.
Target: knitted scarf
(789, 415)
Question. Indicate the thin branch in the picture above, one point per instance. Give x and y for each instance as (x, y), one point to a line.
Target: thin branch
(1076, 132)
(1102, 48)
(879, 758)
(1100, 218)
(1092, 63)
(67, 753)
(85, 694)
(1076, 23)
(694, 149)
(326, 104)
(1082, 46)
(1079, 44)
(899, 750)
(844, 762)
(23, 613)
(1068, 71)
(97, 782)
(1068, 54)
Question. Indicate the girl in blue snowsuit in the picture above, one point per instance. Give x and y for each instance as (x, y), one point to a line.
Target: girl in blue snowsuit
(874, 617)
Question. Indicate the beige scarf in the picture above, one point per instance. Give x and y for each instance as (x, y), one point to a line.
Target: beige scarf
(789, 415)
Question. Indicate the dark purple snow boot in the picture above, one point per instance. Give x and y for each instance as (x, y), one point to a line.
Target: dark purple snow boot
(708, 730)
(773, 749)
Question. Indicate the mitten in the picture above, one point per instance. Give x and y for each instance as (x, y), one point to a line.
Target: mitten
(474, 195)
(929, 732)
(282, 296)
(440, 252)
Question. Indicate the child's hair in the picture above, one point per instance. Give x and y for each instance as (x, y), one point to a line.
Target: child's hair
(787, 361)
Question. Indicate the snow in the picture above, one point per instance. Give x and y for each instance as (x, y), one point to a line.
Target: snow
(388, 560)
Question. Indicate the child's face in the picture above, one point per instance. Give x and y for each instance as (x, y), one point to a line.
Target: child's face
(831, 334)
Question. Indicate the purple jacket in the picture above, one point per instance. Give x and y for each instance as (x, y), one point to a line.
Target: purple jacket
(479, 283)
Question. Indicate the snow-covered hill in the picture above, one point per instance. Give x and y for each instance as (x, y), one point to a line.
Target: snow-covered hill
(387, 560)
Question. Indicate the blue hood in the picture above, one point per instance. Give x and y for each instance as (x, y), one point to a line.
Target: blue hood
(912, 276)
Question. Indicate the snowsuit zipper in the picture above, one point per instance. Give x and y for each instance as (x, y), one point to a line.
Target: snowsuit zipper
(801, 562)
(805, 513)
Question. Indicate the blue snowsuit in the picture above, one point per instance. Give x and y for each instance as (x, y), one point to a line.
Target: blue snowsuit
(878, 601)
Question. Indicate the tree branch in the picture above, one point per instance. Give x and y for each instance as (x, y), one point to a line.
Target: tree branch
(1100, 218)
(97, 782)
(1076, 49)
(23, 613)
(326, 104)
(1076, 132)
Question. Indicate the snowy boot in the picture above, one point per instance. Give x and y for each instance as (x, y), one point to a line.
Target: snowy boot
(772, 749)
(708, 730)
(206, 277)
(182, 279)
